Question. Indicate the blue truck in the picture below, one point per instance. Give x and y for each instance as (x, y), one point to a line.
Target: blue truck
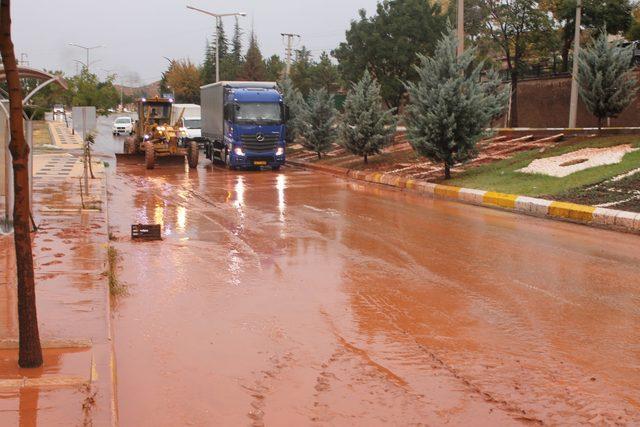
(243, 124)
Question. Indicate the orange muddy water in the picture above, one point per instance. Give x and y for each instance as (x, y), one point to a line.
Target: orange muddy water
(297, 298)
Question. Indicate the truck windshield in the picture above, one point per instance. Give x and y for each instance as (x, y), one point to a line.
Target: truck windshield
(258, 112)
(192, 123)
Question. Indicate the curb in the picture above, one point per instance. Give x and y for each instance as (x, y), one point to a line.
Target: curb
(581, 214)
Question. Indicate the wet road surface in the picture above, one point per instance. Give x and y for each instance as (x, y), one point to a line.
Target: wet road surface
(296, 298)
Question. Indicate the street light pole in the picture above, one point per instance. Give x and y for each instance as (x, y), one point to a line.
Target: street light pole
(573, 108)
(460, 28)
(218, 17)
(218, 25)
(87, 49)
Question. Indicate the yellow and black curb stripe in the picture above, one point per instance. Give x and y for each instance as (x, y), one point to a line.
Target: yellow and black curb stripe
(589, 215)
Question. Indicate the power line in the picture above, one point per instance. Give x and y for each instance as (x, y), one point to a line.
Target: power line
(289, 49)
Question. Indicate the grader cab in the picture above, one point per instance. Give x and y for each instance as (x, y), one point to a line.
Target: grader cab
(158, 136)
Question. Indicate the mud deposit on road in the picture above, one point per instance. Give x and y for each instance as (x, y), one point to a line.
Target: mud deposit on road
(296, 298)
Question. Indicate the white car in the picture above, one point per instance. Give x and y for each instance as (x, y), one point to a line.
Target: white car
(191, 129)
(58, 109)
(123, 126)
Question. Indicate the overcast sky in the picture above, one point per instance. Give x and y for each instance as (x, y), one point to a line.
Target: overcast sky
(139, 33)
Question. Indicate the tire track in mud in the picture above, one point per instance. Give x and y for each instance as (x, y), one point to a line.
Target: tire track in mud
(569, 399)
(262, 386)
(431, 360)
(543, 374)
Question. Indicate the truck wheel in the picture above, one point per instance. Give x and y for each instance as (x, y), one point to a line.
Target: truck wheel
(193, 154)
(227, 159)
(149, 155)
(129, 146)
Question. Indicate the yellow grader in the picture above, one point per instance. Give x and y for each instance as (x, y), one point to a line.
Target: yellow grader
(156, 137)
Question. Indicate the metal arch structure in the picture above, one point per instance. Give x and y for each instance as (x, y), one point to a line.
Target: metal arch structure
(46, 79)
(32, 73)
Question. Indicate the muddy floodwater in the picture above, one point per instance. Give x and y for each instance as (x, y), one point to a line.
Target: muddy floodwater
(294, 298)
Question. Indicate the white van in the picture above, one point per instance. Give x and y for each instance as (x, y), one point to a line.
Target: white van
(190, 122)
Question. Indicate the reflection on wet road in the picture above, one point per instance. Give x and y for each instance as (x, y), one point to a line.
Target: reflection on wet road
(297, 298)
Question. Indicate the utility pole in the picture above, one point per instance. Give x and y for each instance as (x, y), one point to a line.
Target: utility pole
(573, 108)
(218, 17)
(87, 49)
(460, 27)
(289, 50)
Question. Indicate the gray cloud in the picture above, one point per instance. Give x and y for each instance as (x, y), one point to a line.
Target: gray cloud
(139, 33)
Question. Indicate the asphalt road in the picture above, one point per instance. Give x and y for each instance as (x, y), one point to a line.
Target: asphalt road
(297, 298)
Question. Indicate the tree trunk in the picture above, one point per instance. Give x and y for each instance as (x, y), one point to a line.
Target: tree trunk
(366, 159)
(30, 351)
(447, 171)
(319, 155)
(599, 124)
(513, 117)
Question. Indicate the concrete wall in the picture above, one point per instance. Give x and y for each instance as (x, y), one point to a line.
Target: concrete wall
(545, 103)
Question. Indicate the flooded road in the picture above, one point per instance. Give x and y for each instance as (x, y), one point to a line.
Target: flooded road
(297, 298)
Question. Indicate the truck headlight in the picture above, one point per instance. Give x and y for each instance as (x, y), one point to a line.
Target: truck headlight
(280, 151)
(239, 151)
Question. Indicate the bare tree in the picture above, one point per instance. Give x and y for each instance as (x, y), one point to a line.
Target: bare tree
(30, 351)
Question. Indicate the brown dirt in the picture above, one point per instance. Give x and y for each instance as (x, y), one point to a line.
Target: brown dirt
(401, 159)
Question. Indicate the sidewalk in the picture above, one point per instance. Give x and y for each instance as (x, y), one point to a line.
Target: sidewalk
(75, 385)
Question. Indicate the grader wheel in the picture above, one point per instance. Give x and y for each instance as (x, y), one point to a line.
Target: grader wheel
(193, 154)
(149, 155)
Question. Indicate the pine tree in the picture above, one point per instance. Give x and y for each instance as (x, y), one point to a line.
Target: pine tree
(325, 74)
(366, 126)
(208, 68)
(274, 68)
(452, 104)
(295, 103)
(302, 71)
(231, 65)
(607, 83)
(223, 43)
(317, 122)
(236, 43)
(253, 68)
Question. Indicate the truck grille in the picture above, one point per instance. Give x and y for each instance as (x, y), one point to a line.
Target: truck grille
(251, 143)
